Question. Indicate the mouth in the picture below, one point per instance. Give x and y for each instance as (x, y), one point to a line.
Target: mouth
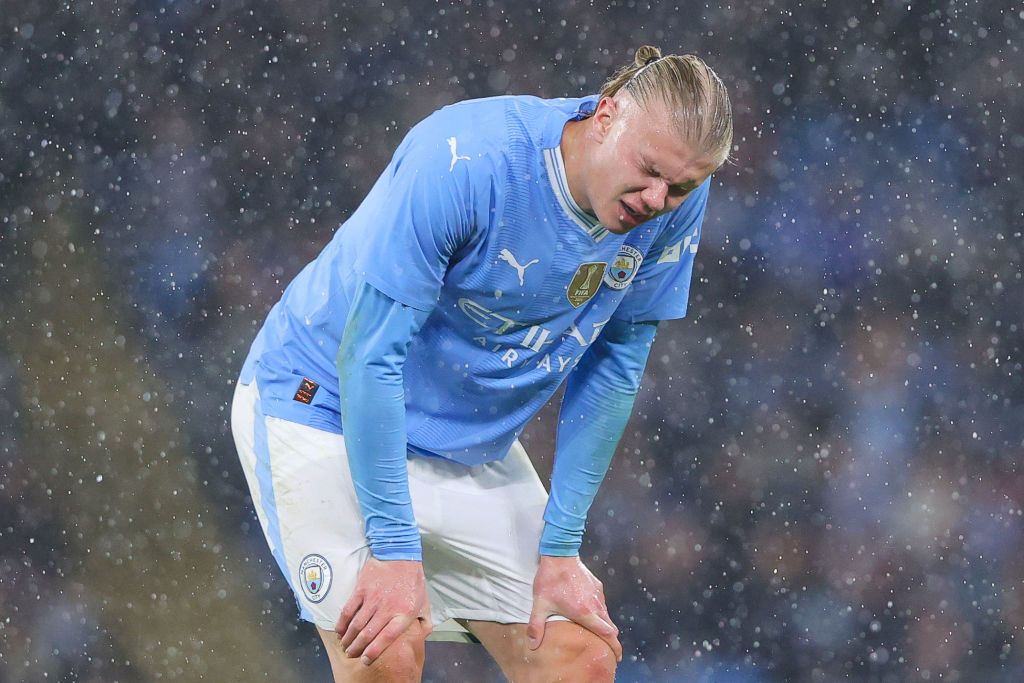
(632, 215)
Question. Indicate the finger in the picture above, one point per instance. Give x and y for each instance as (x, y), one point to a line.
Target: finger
(366, 635)
(605, 630)
(535, 629)
(389, 634)
(348, 611)
(603, 613)
(356, 624)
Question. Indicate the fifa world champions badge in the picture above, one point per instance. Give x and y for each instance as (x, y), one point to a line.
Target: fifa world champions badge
(585, 283)
(315, 577)
(624, 267)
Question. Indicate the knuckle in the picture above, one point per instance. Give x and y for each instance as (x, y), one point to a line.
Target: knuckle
(382, 641)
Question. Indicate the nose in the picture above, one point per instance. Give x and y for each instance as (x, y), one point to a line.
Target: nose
(655, 195)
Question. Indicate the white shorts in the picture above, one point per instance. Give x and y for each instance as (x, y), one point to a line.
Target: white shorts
(480, 526)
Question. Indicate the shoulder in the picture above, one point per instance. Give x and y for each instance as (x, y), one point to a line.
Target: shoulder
(476, 140)
(540, 122)
(458, 137)
(492, 125)
(479, 124)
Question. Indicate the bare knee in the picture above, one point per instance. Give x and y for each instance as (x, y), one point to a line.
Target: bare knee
(594, 661)
(573, 656)
(401, 662)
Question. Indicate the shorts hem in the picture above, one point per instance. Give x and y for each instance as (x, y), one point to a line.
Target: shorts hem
(486, 615)
(495, 617)
(313, 620)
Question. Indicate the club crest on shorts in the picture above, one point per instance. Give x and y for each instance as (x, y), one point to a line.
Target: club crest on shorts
(623, 267)
(584, 283)
(315, 577)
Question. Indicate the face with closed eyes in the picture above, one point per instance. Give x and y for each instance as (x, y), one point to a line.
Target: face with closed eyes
(634, 163)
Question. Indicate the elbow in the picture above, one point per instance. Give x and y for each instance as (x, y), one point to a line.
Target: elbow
(359, 364)
(627, 384)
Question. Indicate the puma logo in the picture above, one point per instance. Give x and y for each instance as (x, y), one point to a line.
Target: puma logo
(506, 256)
(455, 155)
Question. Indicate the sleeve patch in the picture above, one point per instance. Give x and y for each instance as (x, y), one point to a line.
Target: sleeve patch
(673, 252)
(306, 392)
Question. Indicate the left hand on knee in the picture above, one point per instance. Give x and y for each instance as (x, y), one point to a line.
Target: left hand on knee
(564, 586)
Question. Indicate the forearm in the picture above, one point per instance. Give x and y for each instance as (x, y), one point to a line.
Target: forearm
(598, 400)
(370, 360)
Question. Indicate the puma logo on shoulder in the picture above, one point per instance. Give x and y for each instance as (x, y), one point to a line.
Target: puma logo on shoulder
(452, 142)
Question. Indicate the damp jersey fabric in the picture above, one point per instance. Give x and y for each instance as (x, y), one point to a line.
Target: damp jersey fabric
(472, 223)
(598, 399)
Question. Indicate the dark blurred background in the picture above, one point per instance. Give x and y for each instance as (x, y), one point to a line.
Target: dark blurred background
(822, 477)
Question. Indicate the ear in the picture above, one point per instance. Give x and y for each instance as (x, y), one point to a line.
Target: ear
(601, 121)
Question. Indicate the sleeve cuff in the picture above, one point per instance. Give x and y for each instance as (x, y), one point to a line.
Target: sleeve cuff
(406, 550)
(556, 542)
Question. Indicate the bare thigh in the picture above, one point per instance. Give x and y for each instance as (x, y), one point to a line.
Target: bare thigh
(568, 652)
(401, 662)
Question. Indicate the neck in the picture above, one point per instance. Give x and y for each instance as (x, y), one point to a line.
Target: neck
(572, 146)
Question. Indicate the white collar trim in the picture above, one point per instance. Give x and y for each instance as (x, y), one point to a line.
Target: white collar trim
(560, 185)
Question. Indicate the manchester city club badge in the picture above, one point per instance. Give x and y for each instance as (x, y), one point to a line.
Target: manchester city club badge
(623, 267)
(315, 577)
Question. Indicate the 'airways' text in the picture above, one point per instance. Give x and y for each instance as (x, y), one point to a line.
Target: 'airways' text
(534, 340)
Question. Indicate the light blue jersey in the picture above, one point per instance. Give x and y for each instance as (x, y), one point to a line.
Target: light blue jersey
(473, 221)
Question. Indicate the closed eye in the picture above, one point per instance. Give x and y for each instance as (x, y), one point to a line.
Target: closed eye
(653, 171)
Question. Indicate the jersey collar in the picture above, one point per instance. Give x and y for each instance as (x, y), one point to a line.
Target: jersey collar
(560, 185)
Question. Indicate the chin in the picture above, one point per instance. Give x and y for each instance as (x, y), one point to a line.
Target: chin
(618, 228)
(614, 224)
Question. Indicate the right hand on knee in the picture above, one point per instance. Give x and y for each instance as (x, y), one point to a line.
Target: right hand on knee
(564, 586)
(389, 596)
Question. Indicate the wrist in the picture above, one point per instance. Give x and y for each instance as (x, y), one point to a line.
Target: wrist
(555, 559)
(558, 563)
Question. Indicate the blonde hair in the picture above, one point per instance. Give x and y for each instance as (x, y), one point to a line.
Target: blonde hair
(693, 92)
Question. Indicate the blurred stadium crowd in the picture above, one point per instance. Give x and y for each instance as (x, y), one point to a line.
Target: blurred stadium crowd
(822, 477)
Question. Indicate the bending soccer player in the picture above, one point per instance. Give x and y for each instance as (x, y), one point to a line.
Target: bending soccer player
(512, 243)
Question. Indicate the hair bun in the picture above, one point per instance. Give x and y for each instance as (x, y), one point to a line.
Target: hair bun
(646, 54)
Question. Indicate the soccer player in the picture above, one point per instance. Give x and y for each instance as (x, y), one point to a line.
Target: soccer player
(511, 243)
